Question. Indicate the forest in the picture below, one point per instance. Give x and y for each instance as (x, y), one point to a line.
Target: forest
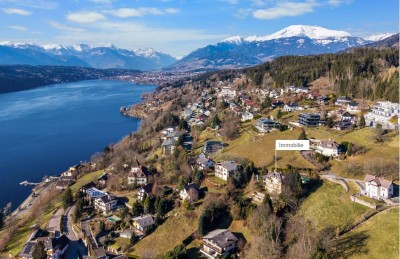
(363, 73)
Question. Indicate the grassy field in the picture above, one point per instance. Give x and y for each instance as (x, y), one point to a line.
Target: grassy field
(87, 178)
(330, 205)
(387, 151)
(238, 226)
(261, 149)
(376, 238)
(171, 233)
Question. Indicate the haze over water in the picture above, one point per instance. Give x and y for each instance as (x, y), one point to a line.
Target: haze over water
(45, 130)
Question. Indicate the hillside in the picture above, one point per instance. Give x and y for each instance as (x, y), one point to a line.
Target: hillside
(22, 77)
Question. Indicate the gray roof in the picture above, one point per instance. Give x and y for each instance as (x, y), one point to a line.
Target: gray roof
(229, 165)
(144, 220)
(221, 237)
(108, 198)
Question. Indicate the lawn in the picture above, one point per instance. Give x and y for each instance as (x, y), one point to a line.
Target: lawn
(261, 149)
(330, 205)
(376, 238)
(386, 151)
(177, 227)
(238, 226)
(87, 178)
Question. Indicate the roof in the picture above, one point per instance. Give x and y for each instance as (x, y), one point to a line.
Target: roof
(95, 193)
(279, 176)
(380, 181)
(148, 188)
(89, 185)
(27, 250)
(61, 242)
(329, 143)
(144, 220)
(191, 186)
(221, 237)
(228, 165)
(135, 162)
(141, 173)
(107, 198)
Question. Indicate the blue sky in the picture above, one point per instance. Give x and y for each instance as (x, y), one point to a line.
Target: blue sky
(179, 27)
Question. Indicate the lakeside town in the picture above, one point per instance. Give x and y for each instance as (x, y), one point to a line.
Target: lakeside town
(203, 163)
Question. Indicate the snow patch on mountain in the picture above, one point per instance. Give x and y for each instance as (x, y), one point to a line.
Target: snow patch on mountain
(378, 37)
(234, 39)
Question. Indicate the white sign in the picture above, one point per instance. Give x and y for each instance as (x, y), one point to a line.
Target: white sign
(292, 145)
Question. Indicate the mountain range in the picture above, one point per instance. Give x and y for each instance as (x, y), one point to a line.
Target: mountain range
(233, 52)
(83, 55)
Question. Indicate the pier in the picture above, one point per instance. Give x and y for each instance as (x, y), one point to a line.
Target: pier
(26, 183)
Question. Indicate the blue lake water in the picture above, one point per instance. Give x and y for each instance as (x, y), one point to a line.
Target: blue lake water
(45, 130)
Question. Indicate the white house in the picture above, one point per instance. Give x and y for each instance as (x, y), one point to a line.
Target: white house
(291, 107)
(138, 174)
(266, 125)
(203, 162)
(143, 223)
(106, 203)
(377, 187)
(381, 113)
(326, 147)
(224, 169)
(218, 244)
(273, 182)
(190, 193)
(247, 116)
(227, 91)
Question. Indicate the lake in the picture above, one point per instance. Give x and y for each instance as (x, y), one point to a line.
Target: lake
(44, 131)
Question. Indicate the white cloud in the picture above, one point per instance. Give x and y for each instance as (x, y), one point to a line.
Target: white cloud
(230, 1)
(243, 12)
(85, 17)
(40, 4)
(284, 9)
(16, 11)
(102, 1)
(140, 12)
(172, 10)
(62, 27)
(337, 3)
(17, 27)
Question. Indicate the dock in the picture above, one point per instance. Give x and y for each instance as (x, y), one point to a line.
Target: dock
(26, 183)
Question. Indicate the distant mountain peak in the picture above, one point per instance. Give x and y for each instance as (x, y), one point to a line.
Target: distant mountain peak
(149, 52)
(233, 39)
(52, 46)
(378, 37)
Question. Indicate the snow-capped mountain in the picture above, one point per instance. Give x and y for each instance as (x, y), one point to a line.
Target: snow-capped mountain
(379, 37)
(238, 51)
(106, 56)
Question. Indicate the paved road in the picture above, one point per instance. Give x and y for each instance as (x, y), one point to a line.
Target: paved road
(76, 247)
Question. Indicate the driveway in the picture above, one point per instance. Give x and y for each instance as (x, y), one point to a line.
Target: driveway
(76, 247)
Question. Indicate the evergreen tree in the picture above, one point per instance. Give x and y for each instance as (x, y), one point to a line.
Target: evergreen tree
(162, 208)
(148, 205)
(39, 251)
(78, 210)
(266, 103)
(68, 198)
(133, 238)
(362, 122)
(379, 133)
(156, 203)
(203, 224)
(137, 209)
(215, 121)
(279, 114)
(302, 135)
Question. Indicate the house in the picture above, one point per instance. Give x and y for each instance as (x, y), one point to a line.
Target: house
(143, 223)
(190, 193)
(273, 182)
(323, 100)
(102, 180)
(186, 113)
(346, 116)
(342, 125)
(218, 244)
(327, 147)
(224, 169)
(203, 162)
(138, 174)
(353, 107)
(309, 119)
(266, 125)
(55, 247)
(145, 191)
(62, 185)
(170, 143)
(378, 187)
(87, 186)
(106, 203)
(247, 116)
(211, 147)
(383, 113)
(94, 193)
(291, 107)
(342, 101)
(227, 91)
